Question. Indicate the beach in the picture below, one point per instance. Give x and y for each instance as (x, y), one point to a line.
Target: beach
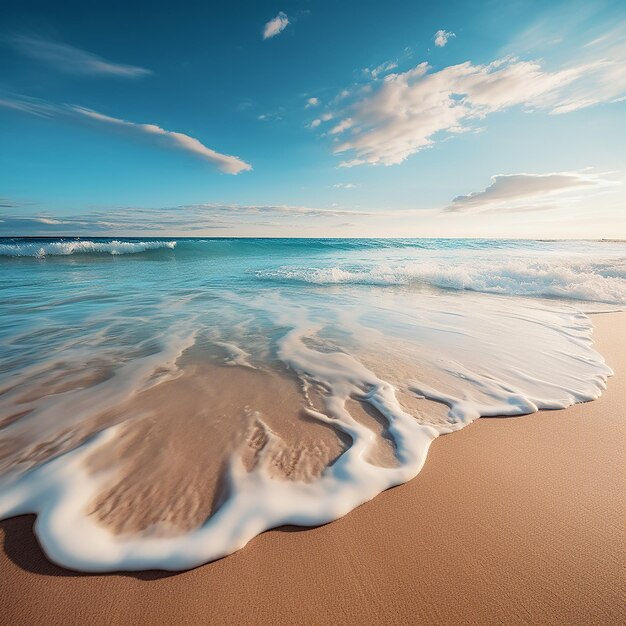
(305, 329)
(516, 520)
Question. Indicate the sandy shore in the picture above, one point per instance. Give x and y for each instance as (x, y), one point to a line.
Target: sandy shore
(517, 520)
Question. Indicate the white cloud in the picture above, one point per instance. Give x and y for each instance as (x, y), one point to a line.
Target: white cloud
(383, 68)
(343, 125)
(524, 192)
(159, 136)
(275, 26)
(72, 60)
(125, 221)
(49, 221)
(562, 205)
(311, 102)
(407, 112)
(326, 117)
(344, 185)
(442, 37)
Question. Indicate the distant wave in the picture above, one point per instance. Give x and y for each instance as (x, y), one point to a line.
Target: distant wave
(603, 281)
(65, 248)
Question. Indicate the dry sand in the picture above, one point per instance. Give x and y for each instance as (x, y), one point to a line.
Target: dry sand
(516, 520)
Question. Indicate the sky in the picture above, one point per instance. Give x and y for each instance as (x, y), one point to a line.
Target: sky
(313, 118)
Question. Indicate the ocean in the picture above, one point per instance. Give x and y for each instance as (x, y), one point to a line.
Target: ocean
(164, 401)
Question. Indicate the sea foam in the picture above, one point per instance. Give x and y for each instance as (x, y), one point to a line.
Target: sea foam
(490, 356)
(394, 329)
(572, 278)
(65, 248)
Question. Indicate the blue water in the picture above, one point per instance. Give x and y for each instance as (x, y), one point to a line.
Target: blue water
(57, 292)
(432, 333)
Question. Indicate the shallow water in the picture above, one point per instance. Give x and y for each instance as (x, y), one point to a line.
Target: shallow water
(164, 401)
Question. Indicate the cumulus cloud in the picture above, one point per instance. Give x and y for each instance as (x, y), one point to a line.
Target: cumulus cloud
(311, 102)
(523, 192)
(71, 60)
(406, 112)
(442, 37)
(157, 135)
(275, 26)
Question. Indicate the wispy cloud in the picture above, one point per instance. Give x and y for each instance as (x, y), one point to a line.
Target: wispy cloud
(390, 120)
(524, 192)
(381, 69)
(442, 37)
(565, 194)
(344, 125)
(275, 26)
(9, 203)
(71, 60)
(120, 221)
(158, 136)
(344, 186)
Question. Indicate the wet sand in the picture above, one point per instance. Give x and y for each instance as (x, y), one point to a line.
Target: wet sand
(516, 520)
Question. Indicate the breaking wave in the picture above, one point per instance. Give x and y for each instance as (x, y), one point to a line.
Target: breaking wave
(40, 249)
(597, 281)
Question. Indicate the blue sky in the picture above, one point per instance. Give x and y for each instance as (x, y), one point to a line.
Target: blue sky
(316, 118)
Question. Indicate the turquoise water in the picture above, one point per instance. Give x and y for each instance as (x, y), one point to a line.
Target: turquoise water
(59, 290)
(430, 333)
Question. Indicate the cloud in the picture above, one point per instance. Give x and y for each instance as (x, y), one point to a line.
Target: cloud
(72, 60)
(311, 102)
(344, 185)
(524, 192)
(324, 118)
(342, 126)
(442, 37)
(390, 120)
(383, 68)
(597, 40)
(286, 210)
(124, 221)
(157, 135)
(504, 208)
(275, 26)
(10, 203)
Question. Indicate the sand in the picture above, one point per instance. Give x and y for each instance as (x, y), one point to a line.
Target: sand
(185, 458)
(516, 520)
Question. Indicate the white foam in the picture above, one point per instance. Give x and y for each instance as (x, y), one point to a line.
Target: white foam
(572, 277)
(65, 248)
(494, 356)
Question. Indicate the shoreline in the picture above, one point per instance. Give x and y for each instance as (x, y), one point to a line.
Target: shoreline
(516, 520)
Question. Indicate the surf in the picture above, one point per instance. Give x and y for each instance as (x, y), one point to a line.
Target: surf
(161, 409)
